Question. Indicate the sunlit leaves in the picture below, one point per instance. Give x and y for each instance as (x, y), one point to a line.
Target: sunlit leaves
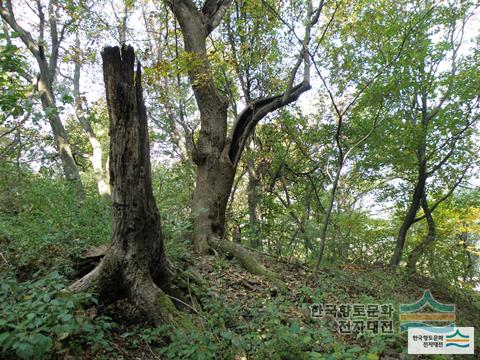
(13, 89)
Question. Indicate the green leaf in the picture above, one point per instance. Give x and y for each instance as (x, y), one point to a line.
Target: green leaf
(24, 350)
(3, 337)
(295, 328)
(354, 349)
(42, 343)
(88, 327)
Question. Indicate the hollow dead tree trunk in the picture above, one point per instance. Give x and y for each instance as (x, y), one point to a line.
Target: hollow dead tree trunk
(135, 265)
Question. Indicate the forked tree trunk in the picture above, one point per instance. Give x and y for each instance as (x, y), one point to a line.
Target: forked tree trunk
(136, 265)
(216, 154)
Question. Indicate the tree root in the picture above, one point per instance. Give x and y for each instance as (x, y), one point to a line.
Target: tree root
(182, 293)
(250, 263)
(156, 304)
(184, 278)
(87, 282)
(137, 284)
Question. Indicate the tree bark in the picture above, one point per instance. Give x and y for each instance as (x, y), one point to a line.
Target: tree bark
(409, 218)
(212, 190)
(135, 265)
(60, 136)
(328, 212)
(252, 199)
(426, 243)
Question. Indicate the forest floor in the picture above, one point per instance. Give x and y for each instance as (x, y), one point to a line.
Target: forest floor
(244, 316)
(44, 234)
(239, 315)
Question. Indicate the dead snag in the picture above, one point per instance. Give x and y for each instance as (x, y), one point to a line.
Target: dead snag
(135, 265)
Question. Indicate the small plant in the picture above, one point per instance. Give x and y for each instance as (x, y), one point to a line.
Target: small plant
(40, 317)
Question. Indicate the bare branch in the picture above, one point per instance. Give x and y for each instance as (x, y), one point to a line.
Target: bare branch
(312, 19)
(443, 161)
(41, 22)
(375, 124)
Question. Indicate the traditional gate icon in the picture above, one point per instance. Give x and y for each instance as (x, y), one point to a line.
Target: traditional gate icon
(411, 315)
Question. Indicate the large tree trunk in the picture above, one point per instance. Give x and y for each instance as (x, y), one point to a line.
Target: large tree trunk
(135, 265)
(426, 243)
(212, 190)
(216, 154)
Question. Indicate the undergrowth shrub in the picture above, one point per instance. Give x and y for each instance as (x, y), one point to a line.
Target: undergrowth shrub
(44, 225)
(40, 317)
(260, 332)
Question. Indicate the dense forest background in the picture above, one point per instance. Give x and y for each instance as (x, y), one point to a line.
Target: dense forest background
(297, 152)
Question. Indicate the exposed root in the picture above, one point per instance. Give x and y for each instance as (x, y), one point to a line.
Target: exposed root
(184, 278)
(87, 283)
(104, 280)
(250, 263)
(114, 282)
(155, 304)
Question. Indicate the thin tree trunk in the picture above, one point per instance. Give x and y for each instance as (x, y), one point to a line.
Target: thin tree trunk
(409, 218)
(136, 265)
(97, 152)
(253, 197)
(46, 79)
(328, 214)
(60, 135)
(426, 243)
(305, 221)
